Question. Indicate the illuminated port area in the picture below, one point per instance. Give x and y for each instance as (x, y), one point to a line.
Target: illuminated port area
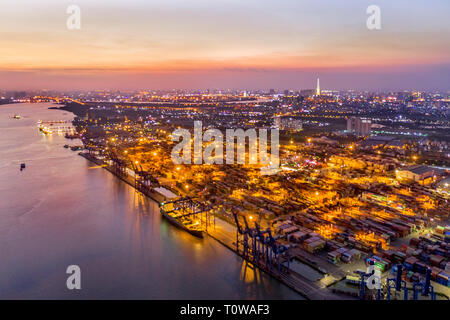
(225, 159)
(362, 180)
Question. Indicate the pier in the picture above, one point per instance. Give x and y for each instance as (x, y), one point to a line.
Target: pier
(274, 264)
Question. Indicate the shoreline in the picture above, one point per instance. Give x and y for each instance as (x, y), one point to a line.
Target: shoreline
(303, 287)
(289, 282)
(155, 196)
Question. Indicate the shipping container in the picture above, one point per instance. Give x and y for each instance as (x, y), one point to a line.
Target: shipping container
(380, 265)
(424, 257)
(420, 267)
(436, 260)
(443, 278)
(414, 242)
(333, 257)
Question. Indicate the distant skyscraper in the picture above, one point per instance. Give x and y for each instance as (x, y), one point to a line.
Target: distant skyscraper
(318, 87)
(358, 126)
(288, 123)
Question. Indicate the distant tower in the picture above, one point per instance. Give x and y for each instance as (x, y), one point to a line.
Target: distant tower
(318, 87)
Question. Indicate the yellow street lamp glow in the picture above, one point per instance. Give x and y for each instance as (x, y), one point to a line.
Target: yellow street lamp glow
(178, 168)
(136, 162)
(154, 153)
(309, 140)
(250, 217)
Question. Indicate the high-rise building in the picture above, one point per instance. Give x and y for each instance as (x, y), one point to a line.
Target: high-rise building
(358, 126)
(288, 123)
(307, 92)
(318, 87)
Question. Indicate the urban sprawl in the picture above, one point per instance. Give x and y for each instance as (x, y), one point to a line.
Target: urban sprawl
(363, 180)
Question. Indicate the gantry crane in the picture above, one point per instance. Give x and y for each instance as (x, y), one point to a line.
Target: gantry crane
(257, 243)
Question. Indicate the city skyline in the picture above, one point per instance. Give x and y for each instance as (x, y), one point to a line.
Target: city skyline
(228, 44)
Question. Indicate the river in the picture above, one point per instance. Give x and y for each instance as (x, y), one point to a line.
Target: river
(63, 210)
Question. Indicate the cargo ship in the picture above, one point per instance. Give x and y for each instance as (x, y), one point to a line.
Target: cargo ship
(182, 221)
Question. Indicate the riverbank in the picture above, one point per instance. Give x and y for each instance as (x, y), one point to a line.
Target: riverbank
(225, 234)
(155, 196)
(63, 210)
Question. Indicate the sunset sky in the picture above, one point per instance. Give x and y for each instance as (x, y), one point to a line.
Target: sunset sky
(245, 44)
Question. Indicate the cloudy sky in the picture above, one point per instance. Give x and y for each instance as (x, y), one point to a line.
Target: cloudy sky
(247, 44)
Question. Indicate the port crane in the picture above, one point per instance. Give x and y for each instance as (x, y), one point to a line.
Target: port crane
(273, 250)
(398, 283)
(244, 235)
(143, 180)
(257, 243)
(119, 166)
(424, 287)
(362, 286)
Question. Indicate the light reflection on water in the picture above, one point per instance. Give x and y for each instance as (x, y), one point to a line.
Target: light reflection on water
(59, 212)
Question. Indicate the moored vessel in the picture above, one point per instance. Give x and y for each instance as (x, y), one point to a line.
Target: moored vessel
(186, 222)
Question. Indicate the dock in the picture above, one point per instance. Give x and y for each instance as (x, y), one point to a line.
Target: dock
(155, 196)
(225, 233)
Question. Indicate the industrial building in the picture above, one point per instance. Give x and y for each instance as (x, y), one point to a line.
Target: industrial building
(359, 126)
(416, 173)
(288, 123)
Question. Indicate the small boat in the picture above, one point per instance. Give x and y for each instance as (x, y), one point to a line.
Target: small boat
(22, 166)
(16, 116)
(66, 146)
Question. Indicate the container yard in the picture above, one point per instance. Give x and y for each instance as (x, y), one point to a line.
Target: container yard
(333, 209)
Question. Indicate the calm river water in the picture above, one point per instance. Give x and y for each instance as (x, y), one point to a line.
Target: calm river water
(62, 210)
